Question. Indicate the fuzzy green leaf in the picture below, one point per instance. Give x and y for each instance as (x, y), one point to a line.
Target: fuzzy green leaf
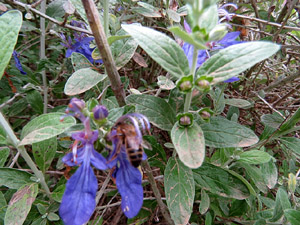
(10, 25)
(164, 50)
(180, 190)
(189, 144)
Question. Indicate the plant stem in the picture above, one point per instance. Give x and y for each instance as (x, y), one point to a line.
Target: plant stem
(188, 97)
(157, 194)
(102, 44)
(21, 149)
(43, 54)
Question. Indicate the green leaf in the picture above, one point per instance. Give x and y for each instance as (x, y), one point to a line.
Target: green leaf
(53, 217)
(10, 25)
(240, 103)
(283, 198)
(13, 178)
(164, 50)
(173, 15)
(79, 61)
(291, 143)
(123, 49)
(222, 133)
(240, 177)
(80, 9)
(272, 120)
(289, 124)
(235, 59)
(20, 205)
(292, 215)
(189, 144)
(44, 153)
(186, 37)
(4, 153)
(82, 80)
(35, 99)
(157, 110)
(277, 211)
(147, 10)
(219, 181)
(44, 127)
(180, 190)
(3, 206)
(55, 9)
(270, 174)
(205, 202)
(165, 83)
(255, 174)
(254, 157)
(114, 38)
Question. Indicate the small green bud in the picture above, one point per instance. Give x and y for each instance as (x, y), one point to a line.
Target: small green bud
(185, 86)
(292, 183)
(203, 85)
(218, 32)
(185, 119)
(205, 115)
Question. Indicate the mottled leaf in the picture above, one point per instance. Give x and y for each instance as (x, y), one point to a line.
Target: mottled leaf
(164, 50)
(270, 174)
(291, 143)
(222, 133)
(123, 49)
(254, 157)
(82, 80)
(293, 216)
(205, 202)
(156, 109)
(235, 59)
(240, 103)
(20, 204)
(80, 9)
(4, 153)
(189, 144)
(256, 176)
(44, 153)
(79, 61)
(272, 120)
(147, 10)
(165, 83)
(180, 190)
(13, 178)
(10, 25)
(219, 181)
(44, 127)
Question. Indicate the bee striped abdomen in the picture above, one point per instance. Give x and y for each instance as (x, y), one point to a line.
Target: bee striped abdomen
(135, 156)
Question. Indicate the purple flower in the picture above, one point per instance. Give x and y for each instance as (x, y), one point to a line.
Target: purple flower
(81, 43)
(126, 137)
(100, 112)
(18, 63)
(78, 202)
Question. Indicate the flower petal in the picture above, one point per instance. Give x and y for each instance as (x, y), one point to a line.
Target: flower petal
(232, 79)
(69, 158)
(78, 202)
(98, 160)
(129, 184)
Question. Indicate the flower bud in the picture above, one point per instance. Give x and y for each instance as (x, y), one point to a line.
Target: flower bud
(218, 32)
(100, 112)
(292, 183)
(205, 113)
(185, 84)
(185, 119)
(76, 104)
(203, 84)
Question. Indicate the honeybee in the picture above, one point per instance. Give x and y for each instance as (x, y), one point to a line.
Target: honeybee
(127, 135)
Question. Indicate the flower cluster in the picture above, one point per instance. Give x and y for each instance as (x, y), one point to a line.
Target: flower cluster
(81, 43)
(78, 202)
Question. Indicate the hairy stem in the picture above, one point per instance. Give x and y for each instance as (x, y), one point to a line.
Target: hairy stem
(21, 149)
(188, 97)
(102, 44)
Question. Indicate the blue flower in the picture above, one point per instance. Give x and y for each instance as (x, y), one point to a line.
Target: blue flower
(126, 135)
(78, 202)
(18, 63)
(81, 45)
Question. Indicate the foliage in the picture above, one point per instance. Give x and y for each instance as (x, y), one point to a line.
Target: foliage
(218, 87)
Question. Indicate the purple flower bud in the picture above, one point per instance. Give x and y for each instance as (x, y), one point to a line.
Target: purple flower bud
(100, 112)
(79, 104)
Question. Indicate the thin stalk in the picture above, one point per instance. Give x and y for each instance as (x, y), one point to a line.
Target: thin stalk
(21, 149)
(102, 44)
(106, 17)
(188, 97)
(43, 54)
(162, 206)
